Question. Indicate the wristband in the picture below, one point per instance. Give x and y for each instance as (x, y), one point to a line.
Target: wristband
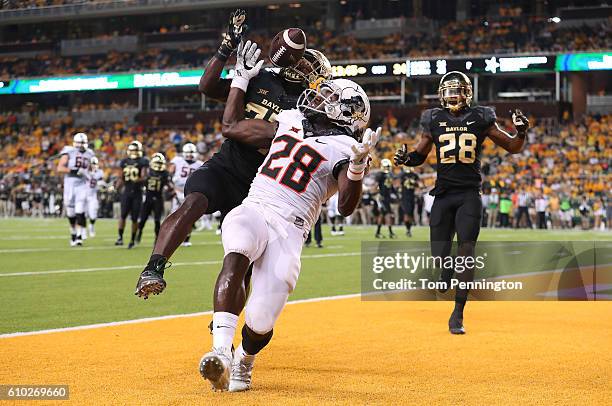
(355, 171)
(221, 56)
(240, 82)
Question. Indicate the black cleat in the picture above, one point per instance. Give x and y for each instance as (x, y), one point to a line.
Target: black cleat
(408, 233)
(455, 323)
(151, 280)
(392, 236)
(379, 235)
(131, 245)
(319, 245)
(119, 241)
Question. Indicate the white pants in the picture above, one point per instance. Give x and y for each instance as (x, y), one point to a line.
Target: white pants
(92, 207)
(274, 246)
(332, 206)
(75, 196)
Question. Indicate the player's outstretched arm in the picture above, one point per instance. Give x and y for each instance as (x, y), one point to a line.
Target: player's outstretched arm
(255, 132)
(416, 157)
(351, 175)
(211, 84)
(511, 143)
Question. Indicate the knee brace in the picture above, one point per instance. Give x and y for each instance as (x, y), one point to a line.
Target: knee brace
(253, 342)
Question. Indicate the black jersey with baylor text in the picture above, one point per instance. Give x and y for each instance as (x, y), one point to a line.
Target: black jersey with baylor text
(267, 95)
(409, 182)
(385, 186)
(156, 181)
(131, 169)
(458, 141)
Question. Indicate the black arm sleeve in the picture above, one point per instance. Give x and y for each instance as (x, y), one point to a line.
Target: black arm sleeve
(415, 159)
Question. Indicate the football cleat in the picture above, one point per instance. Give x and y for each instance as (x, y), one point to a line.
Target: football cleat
(119, 241)
(240, 379)
(73, 243)
(215, 367)
(455, 323)
(79, 242)
(186, 244)
(131, 245)
(151, 280)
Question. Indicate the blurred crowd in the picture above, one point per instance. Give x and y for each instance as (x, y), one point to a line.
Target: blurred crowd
(561, 179)
(475, 36)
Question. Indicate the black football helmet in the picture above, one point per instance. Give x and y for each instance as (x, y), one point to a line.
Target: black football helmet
(455, 91)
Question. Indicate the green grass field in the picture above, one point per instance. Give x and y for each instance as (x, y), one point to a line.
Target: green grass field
(47, 284)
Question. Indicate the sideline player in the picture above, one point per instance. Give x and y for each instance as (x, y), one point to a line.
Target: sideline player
(223, 181)
(314, 153)
(181, 167)
(133, 172)
(73, 163)
(458, 130)
(95, 179)
(385, 191)
(409, 182)
(157, 179)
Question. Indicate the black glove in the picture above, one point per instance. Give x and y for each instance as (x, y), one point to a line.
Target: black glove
(520, 122)
(401, 156)
(232, 37)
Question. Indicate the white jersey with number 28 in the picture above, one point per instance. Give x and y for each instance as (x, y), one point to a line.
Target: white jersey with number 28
(298, 174)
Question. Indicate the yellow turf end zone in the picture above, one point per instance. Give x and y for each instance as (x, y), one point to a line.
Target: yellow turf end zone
(343, 352)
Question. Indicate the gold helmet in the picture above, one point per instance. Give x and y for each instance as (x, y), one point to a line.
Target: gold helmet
(134, 150)
(158, 162)
(455, 91)
(385, 165)
(313, 67)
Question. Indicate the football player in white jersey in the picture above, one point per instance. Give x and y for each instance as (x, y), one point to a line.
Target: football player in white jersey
(317, 150)
(95, 179)
(74, 162)
(180, 168)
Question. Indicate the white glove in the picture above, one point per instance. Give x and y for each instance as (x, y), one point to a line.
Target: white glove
(81, 172)
(359, 157)
(247, 66)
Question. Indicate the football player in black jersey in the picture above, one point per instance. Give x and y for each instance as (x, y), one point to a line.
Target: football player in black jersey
(158, 178)
(131, 179)
(224, 180)
(458, 130)
(409, 181)
(383, 211)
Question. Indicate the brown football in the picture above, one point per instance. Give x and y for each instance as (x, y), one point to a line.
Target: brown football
(287, 47)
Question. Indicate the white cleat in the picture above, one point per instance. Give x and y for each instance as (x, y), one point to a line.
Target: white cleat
(218, 231)
(215, 367)
(242, 369)
(186, 244)
(73, 243)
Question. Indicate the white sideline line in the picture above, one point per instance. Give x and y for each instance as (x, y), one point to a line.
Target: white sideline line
(77, 249)
(118, 268)
(149, 319)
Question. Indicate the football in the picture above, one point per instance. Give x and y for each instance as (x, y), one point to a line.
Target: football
(287, 47)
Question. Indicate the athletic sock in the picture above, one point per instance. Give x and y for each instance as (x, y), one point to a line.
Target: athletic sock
(121, 233)
(378, 228)
(73, 236)
(224, 329)
(188, 238)
(390, 230)
(133, 236)
(460, 304)
(408, 225)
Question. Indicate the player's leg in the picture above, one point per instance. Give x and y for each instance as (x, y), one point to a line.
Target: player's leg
(389, 220)
(244, 236)
(274, 277)
(318, 233)
(134, 213)
(467, 220)
(147, 207)
(69, 200)
(441, 233)
(158, 211)
(92, 214)
(126, 206)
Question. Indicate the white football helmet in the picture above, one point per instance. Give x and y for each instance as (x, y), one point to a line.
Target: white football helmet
(343, 101)
(134, 150)
(94, 164)
(79, 141)
(190, 152)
